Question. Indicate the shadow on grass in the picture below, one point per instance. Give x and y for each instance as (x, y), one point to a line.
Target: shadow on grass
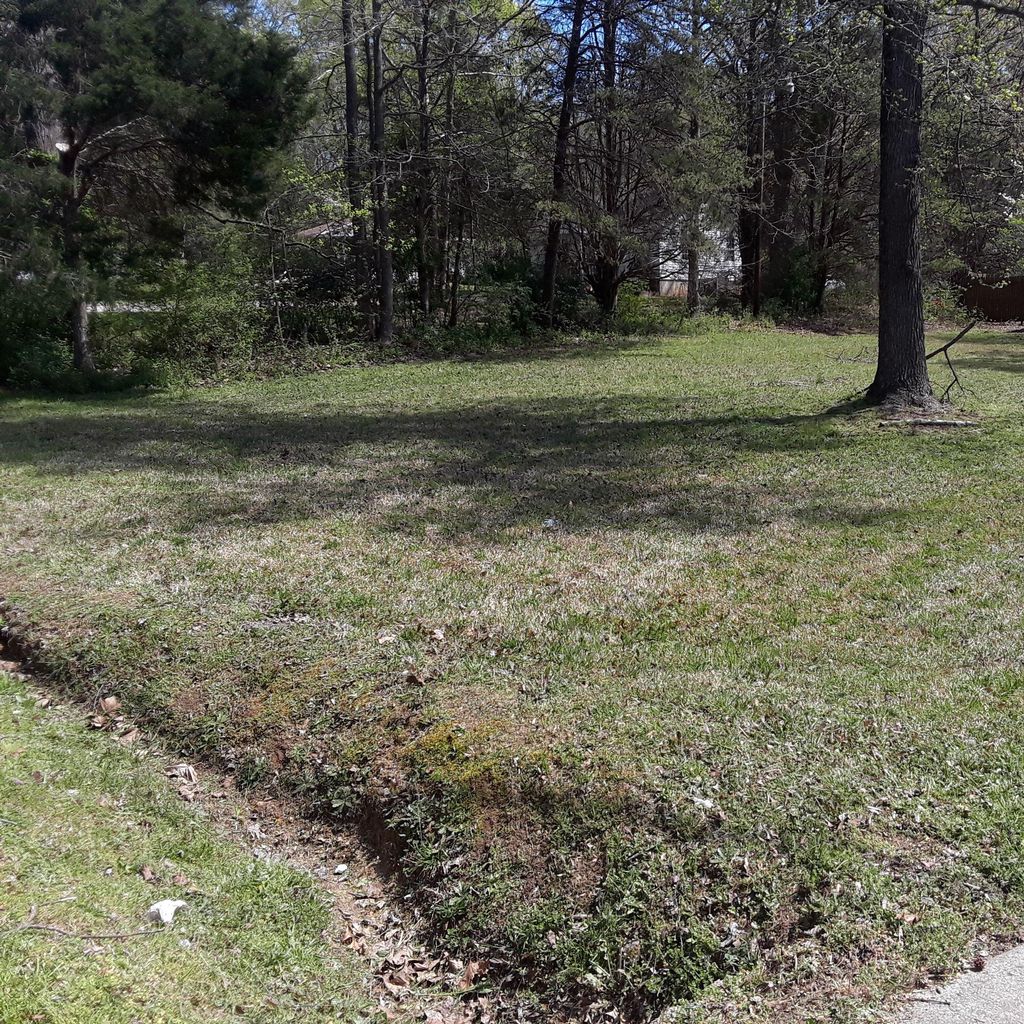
(568, 464)
(1004, 354)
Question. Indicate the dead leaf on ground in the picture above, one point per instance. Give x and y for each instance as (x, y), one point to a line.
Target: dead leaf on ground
(473, 970)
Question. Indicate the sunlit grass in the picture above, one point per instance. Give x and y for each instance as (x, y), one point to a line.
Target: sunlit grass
(81, 820)
(674, 684)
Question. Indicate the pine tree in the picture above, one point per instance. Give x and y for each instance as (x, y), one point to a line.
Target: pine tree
(129, 108)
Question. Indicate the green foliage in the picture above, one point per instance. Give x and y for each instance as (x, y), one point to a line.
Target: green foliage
(214, 98)
(43, 363)
(114, 114)
(637, 313)
(942, 302)
(205, 309)
(30, 342)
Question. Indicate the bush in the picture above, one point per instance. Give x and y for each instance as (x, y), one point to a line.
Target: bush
(42, 363)
(200, 310)
(492, 316)
(942, 302)
(31, 312)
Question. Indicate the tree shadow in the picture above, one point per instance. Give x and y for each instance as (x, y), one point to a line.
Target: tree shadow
(480, 471)
(1004, 354)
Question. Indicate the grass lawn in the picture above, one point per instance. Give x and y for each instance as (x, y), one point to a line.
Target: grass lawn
(80, 819)
(661, 685)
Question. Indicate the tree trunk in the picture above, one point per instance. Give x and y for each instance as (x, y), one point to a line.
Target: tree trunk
(354, 170)
(453, 301)
(902, 373)
(562, 134)
(424, 190)
(605, 284)
(692, 280)
(385, 326)
(78, 334)
(692, 252)
(778, 240)
(751, 215)
(352, 174)
(81, 352)
(609, 251)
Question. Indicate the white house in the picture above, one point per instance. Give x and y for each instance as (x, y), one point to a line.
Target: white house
(718, 263)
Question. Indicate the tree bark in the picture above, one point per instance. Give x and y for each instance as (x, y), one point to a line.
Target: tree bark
(81, 352)
(352, 169)
(354, 166)
(385, 325)
(902, 371)
(453, 300)
(558, 177)
(609, 256)
(778, 241)
(692, 251)
(692, 280)
(425, 193)
(604, 280)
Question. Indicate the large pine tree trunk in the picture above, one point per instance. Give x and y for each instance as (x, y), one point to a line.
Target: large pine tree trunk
(562, 134)
(902, 373)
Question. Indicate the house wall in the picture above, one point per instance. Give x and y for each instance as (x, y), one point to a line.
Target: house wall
(718, 264)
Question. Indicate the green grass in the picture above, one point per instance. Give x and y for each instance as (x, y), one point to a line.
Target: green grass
(79, 818)
(666, 685)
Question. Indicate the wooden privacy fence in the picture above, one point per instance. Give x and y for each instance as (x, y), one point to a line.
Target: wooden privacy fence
(996, 300)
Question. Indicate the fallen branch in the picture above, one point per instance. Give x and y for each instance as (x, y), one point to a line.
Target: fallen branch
(83, 935)
(943, 350)
(927, 423)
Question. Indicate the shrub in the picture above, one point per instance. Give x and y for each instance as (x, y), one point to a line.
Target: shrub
(31, 345)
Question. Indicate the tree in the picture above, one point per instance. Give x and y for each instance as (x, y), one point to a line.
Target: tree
(143, 106)
(563, 133)
(902, 371)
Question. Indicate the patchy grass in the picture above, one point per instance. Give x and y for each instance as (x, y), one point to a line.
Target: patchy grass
(80, 818)
(662, 683)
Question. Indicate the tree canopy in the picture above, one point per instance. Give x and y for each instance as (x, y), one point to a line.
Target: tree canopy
(125, 110)
(425, 173)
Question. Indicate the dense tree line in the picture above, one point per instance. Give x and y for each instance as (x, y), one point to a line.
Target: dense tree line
(422, 172)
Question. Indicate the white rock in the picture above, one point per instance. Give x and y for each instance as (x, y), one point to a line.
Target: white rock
(164, 910)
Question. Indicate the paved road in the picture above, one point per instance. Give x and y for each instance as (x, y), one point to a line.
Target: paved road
(992, 996)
